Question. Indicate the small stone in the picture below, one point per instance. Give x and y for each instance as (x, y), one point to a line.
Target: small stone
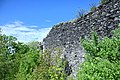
(110, 26)
(103, 13)
(104, 18)
(118, 11)
(108, 14)
(74, 23)
(111, 10)
(116, 19)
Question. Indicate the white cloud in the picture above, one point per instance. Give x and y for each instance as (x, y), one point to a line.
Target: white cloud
(48, 21)
(24, 33)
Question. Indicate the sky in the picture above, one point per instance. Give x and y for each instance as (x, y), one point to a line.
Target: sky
(31, 20)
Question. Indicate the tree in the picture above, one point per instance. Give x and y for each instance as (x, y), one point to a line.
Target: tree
(8, 64)
(11, 52)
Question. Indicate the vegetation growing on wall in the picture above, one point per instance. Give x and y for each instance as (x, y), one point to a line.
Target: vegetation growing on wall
(81, 13)
(103, 1)
(93, 7)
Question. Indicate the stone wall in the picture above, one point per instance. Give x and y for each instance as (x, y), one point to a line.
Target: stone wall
(66, 35)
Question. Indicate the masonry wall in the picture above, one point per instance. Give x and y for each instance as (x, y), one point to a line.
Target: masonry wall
(66, 35)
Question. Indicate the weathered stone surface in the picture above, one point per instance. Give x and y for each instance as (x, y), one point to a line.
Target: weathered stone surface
(66, 35)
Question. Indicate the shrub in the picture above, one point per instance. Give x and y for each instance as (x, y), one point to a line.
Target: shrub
(29, 63)
(102, 59)
(49, 68)
(8, 63)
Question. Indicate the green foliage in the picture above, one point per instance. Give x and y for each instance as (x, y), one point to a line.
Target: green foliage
(50, 68)
(102, 59)
(116, 33)
(33, 44)
(27, 62)
(93, 7)
(8, 62)
(103, 1)
(21, 48)
(70, 78)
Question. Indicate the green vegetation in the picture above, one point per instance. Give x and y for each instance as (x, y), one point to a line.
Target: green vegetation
(9, 57)
(103, 1)
(102, 59)
(19, 61)
(49, 68)
(93, 7)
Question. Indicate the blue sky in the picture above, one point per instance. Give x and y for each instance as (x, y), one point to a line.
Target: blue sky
(32, 19)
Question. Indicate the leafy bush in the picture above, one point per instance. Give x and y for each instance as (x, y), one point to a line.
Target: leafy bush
(19, 61)
(27, 65)
(50, 68)
(9, 59)
(102, 59)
